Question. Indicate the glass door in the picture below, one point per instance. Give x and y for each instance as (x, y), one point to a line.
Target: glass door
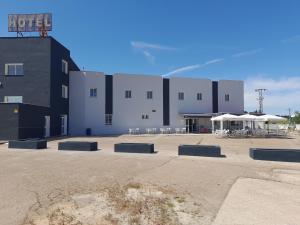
(64, 124)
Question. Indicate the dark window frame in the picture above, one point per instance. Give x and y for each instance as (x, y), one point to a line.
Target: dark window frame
(108, 119)
(64, 66)
(227, 97)
(149, 95)
(128, 94)
(199, 96)
(93, 92)
(181, 96)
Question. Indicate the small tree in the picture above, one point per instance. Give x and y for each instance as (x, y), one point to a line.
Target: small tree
(296, 118)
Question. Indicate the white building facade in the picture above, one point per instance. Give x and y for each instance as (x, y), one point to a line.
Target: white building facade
(114, 104)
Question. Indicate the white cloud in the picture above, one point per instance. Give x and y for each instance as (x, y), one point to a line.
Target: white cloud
(212, 62)
(281, 94)
(291, 39)
(145, 48)
(192, 67)
(247, 53)
(144, 45)
(149, 56)
(182, 69)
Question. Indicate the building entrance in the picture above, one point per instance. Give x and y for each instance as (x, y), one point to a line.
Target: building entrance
(197, 125)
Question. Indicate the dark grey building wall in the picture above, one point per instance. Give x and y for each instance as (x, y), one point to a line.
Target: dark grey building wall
(32, 121)
(9, 121)
(166, 102)
(59, 106)
(109, 94)
(34, 53)
(43, 78)
(215, 103)
(22, 121)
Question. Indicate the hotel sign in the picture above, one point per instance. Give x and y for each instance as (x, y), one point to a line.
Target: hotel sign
(29, 22)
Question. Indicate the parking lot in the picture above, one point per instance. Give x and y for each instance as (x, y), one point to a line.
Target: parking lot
(59, 187)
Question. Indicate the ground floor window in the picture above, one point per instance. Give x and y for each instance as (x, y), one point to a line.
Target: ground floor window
(13, 99)
(108, 119)
(47, 126)
(145, 116)
(64, 124)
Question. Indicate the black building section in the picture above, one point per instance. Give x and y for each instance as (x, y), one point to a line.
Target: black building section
(166, 102)
(215, 96)
(108, 94)
(41, 81)
(35, 54)
(59, 106)
(22, 121)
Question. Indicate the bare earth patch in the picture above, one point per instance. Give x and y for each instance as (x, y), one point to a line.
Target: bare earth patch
(132, 204)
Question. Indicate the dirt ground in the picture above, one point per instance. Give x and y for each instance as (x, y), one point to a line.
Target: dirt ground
(51, 187)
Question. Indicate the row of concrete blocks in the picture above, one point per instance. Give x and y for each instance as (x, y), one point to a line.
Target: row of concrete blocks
(287, 155)
(193, 150)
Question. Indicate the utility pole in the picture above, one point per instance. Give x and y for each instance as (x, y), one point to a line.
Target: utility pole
(289, 109)
(260, 99)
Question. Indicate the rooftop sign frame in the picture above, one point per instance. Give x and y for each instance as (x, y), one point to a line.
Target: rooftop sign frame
(29, 22)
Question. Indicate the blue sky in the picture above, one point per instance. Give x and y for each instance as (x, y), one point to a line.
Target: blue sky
(256, 41)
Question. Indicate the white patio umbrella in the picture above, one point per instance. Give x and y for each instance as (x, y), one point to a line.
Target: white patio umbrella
(225, 117)
(222, 118)
(272, 118)
(249, 118)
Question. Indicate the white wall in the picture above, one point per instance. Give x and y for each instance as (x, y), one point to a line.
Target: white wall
(235, 89)
(190, 87)
(127, 113)
(86, 111)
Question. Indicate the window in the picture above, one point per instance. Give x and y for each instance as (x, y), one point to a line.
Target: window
(64, 124)
(180, 95)
(14, 69)
(149, 94)
(93, 92)
(13, 99)
(226, 97)
(65, 67)
(127, 94)
(199, 96)
(64, 91)
(145, 116)
(108, 119)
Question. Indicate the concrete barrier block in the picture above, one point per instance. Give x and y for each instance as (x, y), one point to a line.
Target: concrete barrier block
(283, 155)
(200, 150)
(28, 144)
(134, 147)
(78, 146)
